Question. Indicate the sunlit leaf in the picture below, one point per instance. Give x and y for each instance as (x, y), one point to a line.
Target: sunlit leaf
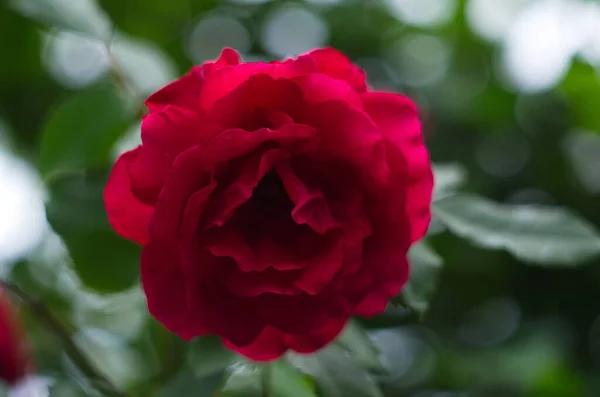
(357, 343)
(103, 260)
(207, 355)
(186, 384)
(83, 16)
(280, 380)
(82, 130)
(425, 265)
(536, 234)
(336, 374)
(448, 178)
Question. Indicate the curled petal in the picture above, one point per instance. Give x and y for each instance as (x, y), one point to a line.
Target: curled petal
(128, 215)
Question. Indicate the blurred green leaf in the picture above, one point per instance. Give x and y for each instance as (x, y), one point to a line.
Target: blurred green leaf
(103, 260)
(186, 384)
(83, 128)
(83, 16)
(65, 388)
(249, 380)
(336, 374)
(448, 178)
(536, 234)
(207, 355)
(425, 265)
(357, 343)
(3, 390)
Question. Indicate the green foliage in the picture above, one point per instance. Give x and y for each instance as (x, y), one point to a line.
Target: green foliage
(82, 130)
(103, 260)
(188, 384)
(207, 356)
(535, 234)
(276, 379)
(83, 16)
(336, 374)
(355, 340)
(425, 265)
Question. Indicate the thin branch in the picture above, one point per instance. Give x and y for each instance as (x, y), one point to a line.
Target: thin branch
(120, 78)
(43, 314)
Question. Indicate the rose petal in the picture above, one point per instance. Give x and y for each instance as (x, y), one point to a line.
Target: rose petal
(267, 346)
(311, 206)
(186, 177)
(316, 339)
(398, 121)
(163, 282)
(185, 92)
(337, 65)
(254, 169)
(350, 135)
(319, 87)
(128, 215)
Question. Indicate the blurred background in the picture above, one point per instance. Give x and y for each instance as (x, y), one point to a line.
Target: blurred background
(510, 96)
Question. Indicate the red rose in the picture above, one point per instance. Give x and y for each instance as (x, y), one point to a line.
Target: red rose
(14, 358)
(273, 200)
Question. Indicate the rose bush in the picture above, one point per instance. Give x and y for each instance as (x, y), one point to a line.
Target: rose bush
(14, 357)
(272, 200)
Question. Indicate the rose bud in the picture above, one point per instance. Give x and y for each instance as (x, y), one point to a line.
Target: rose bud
(273, 200)
(14, 355)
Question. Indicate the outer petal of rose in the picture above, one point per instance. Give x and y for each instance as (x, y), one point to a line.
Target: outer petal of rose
(185, 178)
(13, 351)
(320, 87)
(316, 339)
(384, 256)
(225, 80)
(269, 345)
(350, 135)
(211, 303)
(165, 134)
(128, 216)
(236, 106)
(185, 91)
(398, 121)
(337, 65)
(164, 284)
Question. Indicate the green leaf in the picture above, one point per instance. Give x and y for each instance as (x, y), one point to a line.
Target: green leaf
(536, 234)
(281, 380)
(425, 265)
(83, 16)
(186, 384)
(336, 374)
(82, 129)
(207, 355)
(448, 179)
(65, 388)
(357, 343)
(103, 260)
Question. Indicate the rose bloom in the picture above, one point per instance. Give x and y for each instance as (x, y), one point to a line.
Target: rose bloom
(14, 357)
(272, 200)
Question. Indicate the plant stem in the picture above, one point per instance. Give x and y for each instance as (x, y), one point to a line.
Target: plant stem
(43, 314)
